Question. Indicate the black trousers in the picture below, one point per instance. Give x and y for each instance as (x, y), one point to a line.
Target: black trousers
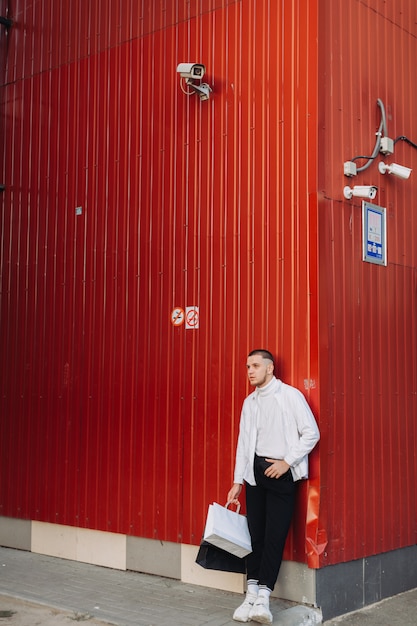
(269, 509)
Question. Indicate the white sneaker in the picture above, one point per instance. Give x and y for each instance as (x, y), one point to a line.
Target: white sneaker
(260, 611)
(242, 612)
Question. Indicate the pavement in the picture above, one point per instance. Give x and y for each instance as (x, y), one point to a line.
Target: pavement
(37, 589)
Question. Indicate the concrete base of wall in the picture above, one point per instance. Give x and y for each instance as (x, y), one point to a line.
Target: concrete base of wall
(347, 587)
(15, 533)
(79, 544)
(336, 589)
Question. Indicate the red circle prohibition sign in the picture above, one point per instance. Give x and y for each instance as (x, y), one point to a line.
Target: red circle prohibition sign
(177, 316)
(192, 317)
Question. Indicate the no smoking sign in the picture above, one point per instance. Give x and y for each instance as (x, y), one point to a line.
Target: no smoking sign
(177, 316)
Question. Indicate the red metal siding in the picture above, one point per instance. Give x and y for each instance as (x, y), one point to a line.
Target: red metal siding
(368, 373)
(111, 417)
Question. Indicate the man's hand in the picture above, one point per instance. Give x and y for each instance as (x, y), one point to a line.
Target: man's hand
(277, 469)
(234, 493)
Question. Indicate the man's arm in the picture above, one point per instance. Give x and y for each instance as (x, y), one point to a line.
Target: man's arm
(308, 432)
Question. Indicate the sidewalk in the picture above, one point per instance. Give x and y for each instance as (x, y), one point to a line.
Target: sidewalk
(114, 596)
(99, 595)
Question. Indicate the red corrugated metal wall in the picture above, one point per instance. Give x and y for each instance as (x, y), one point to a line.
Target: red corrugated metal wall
(368, 364)
(111, 417)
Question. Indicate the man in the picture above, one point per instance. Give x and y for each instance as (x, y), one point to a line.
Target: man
(277, 432)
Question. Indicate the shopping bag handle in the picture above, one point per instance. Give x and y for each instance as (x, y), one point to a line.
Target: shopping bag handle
(237, 506)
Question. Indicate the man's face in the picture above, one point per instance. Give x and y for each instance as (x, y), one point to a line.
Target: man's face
(260, 370)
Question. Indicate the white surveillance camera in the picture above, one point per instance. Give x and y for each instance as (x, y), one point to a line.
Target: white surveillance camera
(397, 170)
(190, 73)
(360, 191)
(191, 70)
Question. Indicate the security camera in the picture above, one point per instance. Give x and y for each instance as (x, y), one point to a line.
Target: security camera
(360, 191)
(401, 171)
(191, 70)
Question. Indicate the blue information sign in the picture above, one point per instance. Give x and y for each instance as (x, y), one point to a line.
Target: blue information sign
(374, 233)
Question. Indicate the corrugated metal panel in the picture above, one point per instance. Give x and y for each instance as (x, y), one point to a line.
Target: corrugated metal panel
(111, 418)
(114, 418)
(368, 374)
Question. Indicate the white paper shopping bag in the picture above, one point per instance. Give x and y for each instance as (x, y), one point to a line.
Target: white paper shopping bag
(227, 530)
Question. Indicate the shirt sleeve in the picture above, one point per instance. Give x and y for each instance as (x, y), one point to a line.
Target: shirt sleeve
(242, 445)
(303, 432)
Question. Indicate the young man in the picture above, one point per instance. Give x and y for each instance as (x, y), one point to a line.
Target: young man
(277, 432)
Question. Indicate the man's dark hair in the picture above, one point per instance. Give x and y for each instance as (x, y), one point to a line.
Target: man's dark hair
(265, 354)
